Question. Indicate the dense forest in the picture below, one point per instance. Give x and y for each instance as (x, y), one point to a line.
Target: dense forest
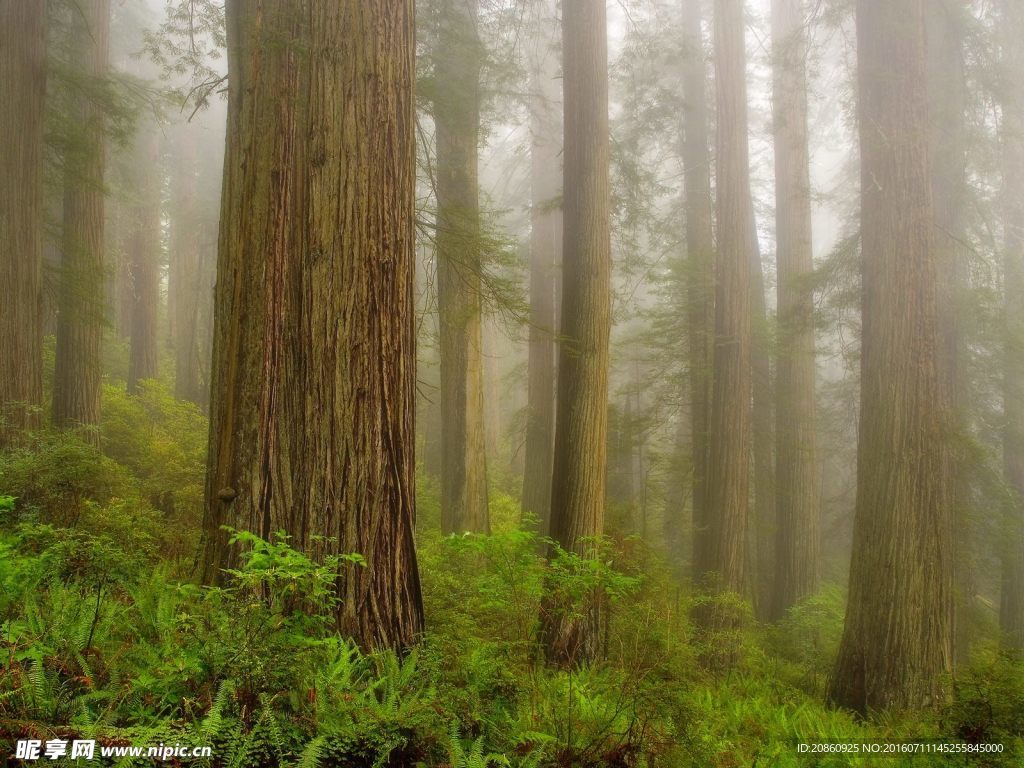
(525, 383)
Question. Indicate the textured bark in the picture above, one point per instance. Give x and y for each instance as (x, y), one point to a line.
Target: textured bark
(700, 258)
(730, 428)
(581, 421)
(1011, 604)
(947, 152)
(797, 542)
(457, 121)
(311, 428)
(22, 94)
(897, 639)
(80, 320)
(144, 257)
(545, 256)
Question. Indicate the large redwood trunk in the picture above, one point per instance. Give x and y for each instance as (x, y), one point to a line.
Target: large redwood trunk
(22, 93)
(80, 319)
(897, 639)
(581, 422)
(311, 427)
(946, 22)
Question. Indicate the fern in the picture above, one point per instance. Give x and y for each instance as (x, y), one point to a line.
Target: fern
(312, 754)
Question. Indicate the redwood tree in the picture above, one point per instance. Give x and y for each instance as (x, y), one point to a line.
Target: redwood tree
(311, 417)
(144, 257)
(545, 256)
(797, 512)
(897, 639)
(730, 427)
(80, 318)
(1011, 606)
(947, 22)
(457, 122)
(700, 263)
(184, 291)
(22, 91)
(581, 422)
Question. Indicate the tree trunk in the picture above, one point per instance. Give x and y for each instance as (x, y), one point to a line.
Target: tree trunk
(797, 542)
(897, 639)
(730, 427)
(700, 251)
(581, 421)
(545, 256)
(311, 428)
(763, 434)
(144, 257)
(184, 291)
(947, 98)
(1011, 604)
(457, 121)
(22, 93)
(78, 372)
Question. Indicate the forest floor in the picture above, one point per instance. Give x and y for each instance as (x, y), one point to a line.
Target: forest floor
(106, 638)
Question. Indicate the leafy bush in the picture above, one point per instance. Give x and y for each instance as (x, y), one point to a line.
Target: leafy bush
(53, 475)
(162, 441)
(988, 705)
(808, 637)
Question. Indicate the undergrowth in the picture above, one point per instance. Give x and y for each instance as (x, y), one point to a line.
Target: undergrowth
(104, 635)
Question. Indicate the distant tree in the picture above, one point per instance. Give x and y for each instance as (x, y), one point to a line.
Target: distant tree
(581, 421)
(144, 256)
(730, 424)
(1011, 606)
(545, 256)
(311, 416)
(798, 516)
(184, 291)
(80, 319)
(762, 425)
(191, 257)
(22, 94)
(457, 124)
(700, 273)
(897, 639)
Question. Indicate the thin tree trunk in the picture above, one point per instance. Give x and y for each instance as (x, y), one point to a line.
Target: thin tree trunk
(1011, 604)
(897, 639)
(730, 425)
(80, 321)
(184, 290)
(797, 542)
(311, 428)
(22, 94)
(545, 256)
(763, 427)
(457, 120)
(581, 421)
(144, 257)
(700, 268)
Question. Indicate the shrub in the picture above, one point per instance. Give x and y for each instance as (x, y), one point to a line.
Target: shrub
(162, 441)
(53, 475)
